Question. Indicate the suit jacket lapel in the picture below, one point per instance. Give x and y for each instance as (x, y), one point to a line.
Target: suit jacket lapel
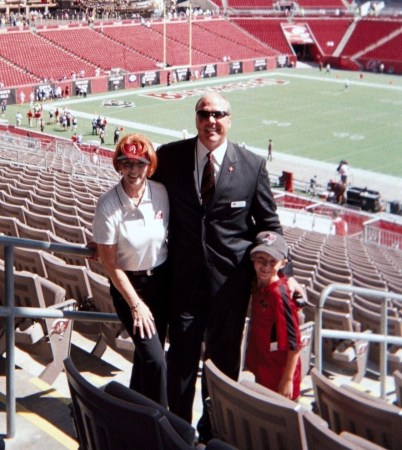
(228, 169)
(188, 167)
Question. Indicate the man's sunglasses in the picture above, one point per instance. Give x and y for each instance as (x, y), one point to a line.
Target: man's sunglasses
(215, 114)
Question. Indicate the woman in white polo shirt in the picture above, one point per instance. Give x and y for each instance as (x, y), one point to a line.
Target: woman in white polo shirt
(130, 229)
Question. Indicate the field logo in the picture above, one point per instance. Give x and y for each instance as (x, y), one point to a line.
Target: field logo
(118, 103)
(230, 87)
(275, 123)
(346, 135)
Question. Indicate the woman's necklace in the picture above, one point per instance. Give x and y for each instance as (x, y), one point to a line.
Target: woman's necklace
(136, 197)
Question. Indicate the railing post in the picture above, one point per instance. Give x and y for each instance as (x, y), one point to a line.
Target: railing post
(10, 340)
(382, 296)
(383, 348)
(317, 337)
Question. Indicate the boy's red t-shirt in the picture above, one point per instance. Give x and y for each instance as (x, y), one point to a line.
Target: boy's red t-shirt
(274, 330)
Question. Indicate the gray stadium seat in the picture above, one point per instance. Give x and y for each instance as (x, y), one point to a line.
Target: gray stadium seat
(344, 410)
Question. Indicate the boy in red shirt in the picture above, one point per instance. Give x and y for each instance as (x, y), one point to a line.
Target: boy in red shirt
(274, 337)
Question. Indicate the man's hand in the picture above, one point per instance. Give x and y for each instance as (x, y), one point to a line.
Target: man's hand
(296, 288)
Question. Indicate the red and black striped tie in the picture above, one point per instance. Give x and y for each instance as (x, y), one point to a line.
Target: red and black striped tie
(208, 182)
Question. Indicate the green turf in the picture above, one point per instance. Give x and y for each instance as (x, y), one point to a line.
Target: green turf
(311, 115)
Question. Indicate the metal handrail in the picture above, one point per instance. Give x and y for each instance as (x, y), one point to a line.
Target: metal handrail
(10, 312)
(382, 338)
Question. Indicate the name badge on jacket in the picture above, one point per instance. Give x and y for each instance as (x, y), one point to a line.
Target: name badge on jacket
(240, 204)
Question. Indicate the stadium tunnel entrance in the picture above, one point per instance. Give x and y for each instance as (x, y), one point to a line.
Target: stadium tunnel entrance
(306, 52)
(302, 42)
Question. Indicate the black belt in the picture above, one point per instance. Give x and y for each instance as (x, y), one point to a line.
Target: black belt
(141, 273)
(144, 273)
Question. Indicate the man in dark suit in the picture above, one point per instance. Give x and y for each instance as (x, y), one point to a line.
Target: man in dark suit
(209, 241)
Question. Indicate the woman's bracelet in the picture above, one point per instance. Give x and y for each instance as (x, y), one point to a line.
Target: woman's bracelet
(135, 307)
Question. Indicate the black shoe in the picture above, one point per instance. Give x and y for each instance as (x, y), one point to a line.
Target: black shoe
(204, 439)
(204, 429)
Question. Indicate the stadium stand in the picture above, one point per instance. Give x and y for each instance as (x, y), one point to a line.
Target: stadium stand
(366, 416)
(101, 418)
(44, 61)
(322, 4)
(348, 357)
(12, 210)
(112, 334)
(249, 4)
(238, 414)
(319, 258)
(14, 76)
(267, 30)
(370, 320)
(48, 339)
(236, 37)
(319, 436)
(89, 45)
(27, 232)
(148, 41)
(386, 52)
(363, 41)
(74, 279)
(367, 33)
(8, 226)
(327, 32)
(240, 411)
(30, 261)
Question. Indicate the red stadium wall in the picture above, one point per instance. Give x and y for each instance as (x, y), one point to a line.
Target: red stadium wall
(356, 220)
(99, 85)
(132, 81)
(388, 226)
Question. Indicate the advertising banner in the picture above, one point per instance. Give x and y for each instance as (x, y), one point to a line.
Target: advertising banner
(82, 87)
(8, 95)
(260, 64)
(236, 67)
(116, 82)
(209, 71)
(150, 79)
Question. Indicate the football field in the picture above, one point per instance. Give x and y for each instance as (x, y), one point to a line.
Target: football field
(305, 112)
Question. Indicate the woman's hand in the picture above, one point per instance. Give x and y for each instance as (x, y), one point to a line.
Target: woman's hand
(141, 314)
(143, 320)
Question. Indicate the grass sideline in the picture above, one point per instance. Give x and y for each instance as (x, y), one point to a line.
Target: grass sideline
(305, 112)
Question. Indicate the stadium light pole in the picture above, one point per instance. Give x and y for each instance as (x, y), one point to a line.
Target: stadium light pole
(164, 34)
(190, 56)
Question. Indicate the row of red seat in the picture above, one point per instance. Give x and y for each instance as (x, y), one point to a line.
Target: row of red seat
(57, 53)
